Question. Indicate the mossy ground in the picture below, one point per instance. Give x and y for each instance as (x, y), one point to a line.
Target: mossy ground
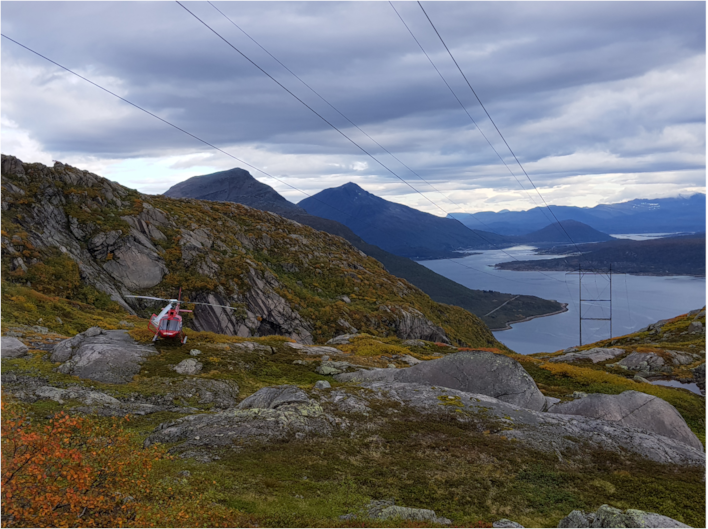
(466, 471)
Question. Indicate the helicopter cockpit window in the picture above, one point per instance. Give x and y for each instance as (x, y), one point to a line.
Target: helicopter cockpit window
(169, 325)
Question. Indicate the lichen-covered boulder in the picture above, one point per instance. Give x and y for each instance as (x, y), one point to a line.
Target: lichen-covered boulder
(482, 372)
(634, 409)
(274, 397)
(597, 354)
(12, 347)
(189, 366)
(270, 414)
(104, 356)
(607, 516)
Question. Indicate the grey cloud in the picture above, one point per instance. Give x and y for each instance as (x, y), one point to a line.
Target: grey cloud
(532, 63)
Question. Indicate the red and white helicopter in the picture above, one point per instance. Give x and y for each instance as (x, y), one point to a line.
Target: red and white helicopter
(168, 324)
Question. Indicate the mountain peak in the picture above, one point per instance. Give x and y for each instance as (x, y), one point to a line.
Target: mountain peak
(233, 185)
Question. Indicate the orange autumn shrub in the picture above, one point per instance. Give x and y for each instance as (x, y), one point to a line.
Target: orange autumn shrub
(70, 471)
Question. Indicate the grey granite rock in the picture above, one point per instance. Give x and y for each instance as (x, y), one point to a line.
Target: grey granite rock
(313, 349)
(104, 356)
(695, 327)
(189, 366)
(597, 354)
(544, 431)
(699, 375)
(274, 397)
(221, 394)
(293, 419)
(12, 347)
(322, 384)
(481, 372)
(607, 516)
(504, 523)
(388, 510)
(342, 339)
(410, 360)
(642, 362)
(634, 409)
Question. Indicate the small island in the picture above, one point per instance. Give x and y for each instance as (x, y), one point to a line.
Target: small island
(682, 255)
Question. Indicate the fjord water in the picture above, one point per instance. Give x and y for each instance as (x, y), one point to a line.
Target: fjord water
(637, 301)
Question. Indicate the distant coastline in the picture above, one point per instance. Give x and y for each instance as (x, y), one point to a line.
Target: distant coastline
(510, 323)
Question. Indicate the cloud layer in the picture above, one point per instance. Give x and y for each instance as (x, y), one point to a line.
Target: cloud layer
(600, 101)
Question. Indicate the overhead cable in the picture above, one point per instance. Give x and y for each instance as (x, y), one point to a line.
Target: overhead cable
(497, 128)
(208, 143)
(329, 122)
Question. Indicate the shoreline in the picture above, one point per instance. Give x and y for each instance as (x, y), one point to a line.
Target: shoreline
(644, 274)
(508, 324)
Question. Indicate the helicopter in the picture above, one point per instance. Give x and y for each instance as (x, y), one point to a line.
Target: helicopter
(168, 323)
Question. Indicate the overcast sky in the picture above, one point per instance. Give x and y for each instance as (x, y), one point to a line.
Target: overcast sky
(601, 101)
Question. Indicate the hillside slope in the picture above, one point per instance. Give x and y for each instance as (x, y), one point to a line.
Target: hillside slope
(396, 228)
(237, 185)
(72, 233)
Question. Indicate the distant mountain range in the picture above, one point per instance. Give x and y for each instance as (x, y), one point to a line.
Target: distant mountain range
(682, 255)
(396, 228)
(237, 185)
(661, 215)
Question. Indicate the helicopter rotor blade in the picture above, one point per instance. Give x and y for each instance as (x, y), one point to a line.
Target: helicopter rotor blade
(210, 304)
(148, 297)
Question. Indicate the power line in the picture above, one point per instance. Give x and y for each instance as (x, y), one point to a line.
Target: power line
(204, 141)
(330, 123)
(460, 103)
(478, 128)
(497, 128)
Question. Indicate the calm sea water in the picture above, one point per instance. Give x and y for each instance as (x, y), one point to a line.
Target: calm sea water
(637, 301)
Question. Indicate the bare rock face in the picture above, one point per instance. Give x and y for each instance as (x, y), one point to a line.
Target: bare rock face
(266, 313)
(634, 409)
(607, 516)
(104, 356)
(12, 347)
(411, 324)
(480, 372)
(597, 354)
(135, 264)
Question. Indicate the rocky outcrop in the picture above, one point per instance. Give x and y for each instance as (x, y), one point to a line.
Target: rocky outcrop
(171, 395)
(481, 372)
(636, 410)
(607, 516)
(272, 398)
(543, 431)
(266, 312)
(272, 414)
(410, 323)
(597, 354)
(504, 523)
(12, 347)
(699, 375)
(386, 510)
(220, 394)
(104, 356)
(654, 363)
